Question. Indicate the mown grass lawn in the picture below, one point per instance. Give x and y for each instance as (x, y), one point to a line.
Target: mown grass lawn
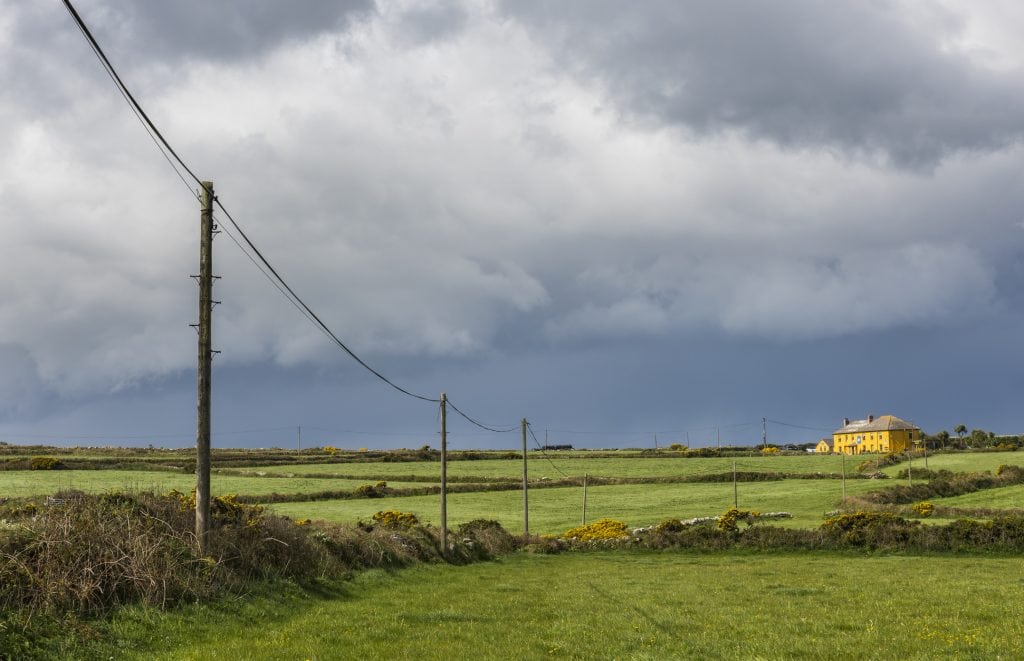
(605, 605)
(555, 510)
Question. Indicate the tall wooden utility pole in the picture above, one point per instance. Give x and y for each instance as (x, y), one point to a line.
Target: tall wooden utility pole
(444, 475)
(764, 433)
(205, 360)
(526, 489)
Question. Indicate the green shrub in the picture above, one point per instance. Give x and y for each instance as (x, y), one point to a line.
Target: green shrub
(378, 490)
(868, 529)
(44, 464)
(487, 538)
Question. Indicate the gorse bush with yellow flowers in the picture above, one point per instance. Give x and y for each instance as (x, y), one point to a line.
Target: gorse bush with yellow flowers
(924, 509)
(600, 530)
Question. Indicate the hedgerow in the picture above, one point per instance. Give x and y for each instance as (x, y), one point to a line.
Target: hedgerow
(87, 554)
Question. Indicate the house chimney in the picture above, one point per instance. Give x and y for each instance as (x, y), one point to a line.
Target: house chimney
(871, 418)
(846, 421)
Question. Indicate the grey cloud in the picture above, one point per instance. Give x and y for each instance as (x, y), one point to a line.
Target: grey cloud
(199, 29)
(869, 79)
(425, 24)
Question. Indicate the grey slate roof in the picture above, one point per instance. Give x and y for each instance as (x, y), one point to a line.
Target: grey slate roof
(881, 423)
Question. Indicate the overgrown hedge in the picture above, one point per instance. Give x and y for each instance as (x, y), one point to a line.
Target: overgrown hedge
(87, 554)
(943, 485)
(876, 531)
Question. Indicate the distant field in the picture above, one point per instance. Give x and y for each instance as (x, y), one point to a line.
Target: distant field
(964, 462)
(626, 605)
(552, 510)
(555, 510)
(18, 484)
(554, 466)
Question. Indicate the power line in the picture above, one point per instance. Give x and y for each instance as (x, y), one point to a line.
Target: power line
(297, 300)
(125, 92)
(787, 424)
(480, 424)
(542, 452)
(284, 286)
(246, 245)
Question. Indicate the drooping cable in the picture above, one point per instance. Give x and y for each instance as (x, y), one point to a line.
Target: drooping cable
(154, 131)
(542, 452)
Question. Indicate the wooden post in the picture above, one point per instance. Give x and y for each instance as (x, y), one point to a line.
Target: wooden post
(526, 489)
(444, 474)
(735, 489)
(584, 521)
(844, 478)
(910, 467)
(204, 369)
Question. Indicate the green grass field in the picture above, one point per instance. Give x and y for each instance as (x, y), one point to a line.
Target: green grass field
(553, 465)
(624, 605)
(1001, 498)
(555, 510)
(18, 484)
(552, 510)
(967, 462)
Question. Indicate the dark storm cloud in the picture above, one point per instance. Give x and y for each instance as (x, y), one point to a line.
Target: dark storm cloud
(867, 78)
(199, 29)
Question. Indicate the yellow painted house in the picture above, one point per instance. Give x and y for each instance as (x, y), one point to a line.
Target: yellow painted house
(824, 446)
(886, 433)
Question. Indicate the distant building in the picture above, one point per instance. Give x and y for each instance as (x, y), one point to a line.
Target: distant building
(886, 433)
(824, 446)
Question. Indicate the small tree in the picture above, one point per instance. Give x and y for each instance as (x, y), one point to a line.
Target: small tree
(960, 430)
(943, 437)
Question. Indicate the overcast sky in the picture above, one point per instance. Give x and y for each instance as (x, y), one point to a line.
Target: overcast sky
(614, 218)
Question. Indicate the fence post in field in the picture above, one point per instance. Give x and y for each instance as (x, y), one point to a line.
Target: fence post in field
(585, 476)
(735, 489)
(844, 477)
(526, 489)
(204, 367)
(444, 475)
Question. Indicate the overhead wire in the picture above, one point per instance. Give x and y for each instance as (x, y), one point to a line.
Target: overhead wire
(125, 92)
(267, 268)
(788, 424)
(543, 453)
(480, 424)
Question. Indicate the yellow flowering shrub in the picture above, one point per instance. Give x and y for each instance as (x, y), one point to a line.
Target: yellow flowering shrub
(600, 529)
(729, 520)
(924, 509)
(395, 519)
